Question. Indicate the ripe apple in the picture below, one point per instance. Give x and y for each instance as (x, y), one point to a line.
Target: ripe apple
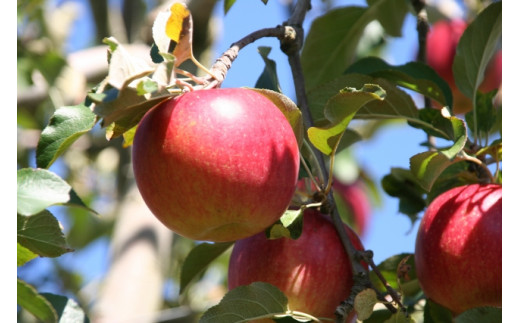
(314, 272)
(441, 45)
(216, 165)
(355, 203)
(458, 251)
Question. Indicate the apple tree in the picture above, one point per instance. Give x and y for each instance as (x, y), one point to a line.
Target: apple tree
(247, 201)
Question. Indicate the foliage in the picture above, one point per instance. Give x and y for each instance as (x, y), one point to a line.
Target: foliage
(349, 93)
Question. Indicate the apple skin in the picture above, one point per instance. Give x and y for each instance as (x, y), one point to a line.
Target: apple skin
(314, 272)
(458, 250)
(216, 165)
(441, 46)
(356, 201)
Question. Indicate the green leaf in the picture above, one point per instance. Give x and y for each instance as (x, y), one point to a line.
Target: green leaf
(428, 166)
(269, 78)
(68, 310)
(65, 126)
(198, 260)
(290, 225)
(246, 303)
(339, 111)
(476, 47)
(415, 76)
(289, 109)
(389, 268)
(23, 255)
(396, 105)
(228, 4)
(28, 298)
(391, 15)
(331, 43)
(435, 313)
(481, 315)
(41, 188)
(146, 86)
(488, 117)
(456, 174)
(41, 233)
(364, 303)
(440, 124)
(401, 183)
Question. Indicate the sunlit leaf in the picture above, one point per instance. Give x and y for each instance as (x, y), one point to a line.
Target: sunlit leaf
(339, 111)
(41, 188)
(198, 260)
(28, 298)
(228, 4)
(65, 126)
(41, 233)
(290, 225)
(246, 303)
(23, 255)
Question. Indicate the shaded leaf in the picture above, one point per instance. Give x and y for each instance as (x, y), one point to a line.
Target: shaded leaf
(481, 315)
(391, 15)
(331, 44)
(124, 68)
(488, 117)
(476, 47)
(23, 255)
(339, 111)
(41, 233)
(401, 183)
(269, 78)
(415, 76)
(457, 174)
(28, 298)
(399, 317)
(65, 126)
(288, 108)
(364, 303)
(245, 303)
(228, 4)
(435, 313)
(428, 166)
(40, 188)
(68, 310)
(290, 225)
(198, 260)
(390, 269)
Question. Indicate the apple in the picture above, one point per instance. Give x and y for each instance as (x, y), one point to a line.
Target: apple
(441, 45)
(314, 272)
(458, 250)
(216, 165)
(355, 203)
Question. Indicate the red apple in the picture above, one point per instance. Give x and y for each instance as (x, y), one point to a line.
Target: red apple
(216, 165)
(458, 251)
(441, 46)
(355, 204)
(314, 272)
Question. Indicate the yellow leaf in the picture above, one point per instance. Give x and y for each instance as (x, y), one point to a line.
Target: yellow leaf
(179, 19)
